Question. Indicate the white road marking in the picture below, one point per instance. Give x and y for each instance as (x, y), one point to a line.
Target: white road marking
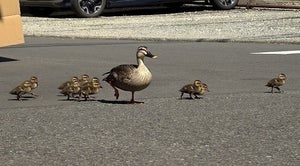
(278, 52)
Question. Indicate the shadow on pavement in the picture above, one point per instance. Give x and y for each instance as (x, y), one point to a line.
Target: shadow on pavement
(4, 59)
(114, 101)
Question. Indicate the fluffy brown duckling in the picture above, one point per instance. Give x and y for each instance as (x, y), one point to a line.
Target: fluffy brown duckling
(90, 88)
(71, 90)
(22, 89)
(276, 82)
(131, 77)
(68, 83)
(197, 88)
(84, 79)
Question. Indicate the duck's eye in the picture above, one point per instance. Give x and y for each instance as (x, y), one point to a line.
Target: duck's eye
(143, 52)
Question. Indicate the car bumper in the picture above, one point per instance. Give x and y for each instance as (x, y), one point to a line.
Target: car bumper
(44, 3)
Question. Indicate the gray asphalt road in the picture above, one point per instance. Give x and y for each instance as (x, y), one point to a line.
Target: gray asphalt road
(236, 123)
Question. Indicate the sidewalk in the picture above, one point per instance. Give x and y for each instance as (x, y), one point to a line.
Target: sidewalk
(271, 3)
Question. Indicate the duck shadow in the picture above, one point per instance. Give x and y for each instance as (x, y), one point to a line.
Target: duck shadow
(273, 92)
(23, 98)
(68, 100)
(77, 100)
(188, 98)
(114, 101)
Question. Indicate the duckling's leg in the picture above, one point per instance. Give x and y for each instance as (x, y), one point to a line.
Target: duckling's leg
(86, 97)
(191, 96)
(132, 101)
(181, 95)
(79, 97)
(19, 97)
(278, 89)
(272, 90)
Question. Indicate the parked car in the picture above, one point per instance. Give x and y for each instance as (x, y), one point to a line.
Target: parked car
(94, 8)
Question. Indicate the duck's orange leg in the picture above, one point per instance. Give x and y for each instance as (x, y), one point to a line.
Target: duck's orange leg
(116, 90)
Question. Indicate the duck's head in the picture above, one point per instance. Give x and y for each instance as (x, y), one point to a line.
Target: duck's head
(205, 87)
(33, 79)
(85, 77)
(143, 51)
(27, 84)
(282, 76)
(76, 84)
(197, 83)
(74, 78)
(96, 85)
(95, 79)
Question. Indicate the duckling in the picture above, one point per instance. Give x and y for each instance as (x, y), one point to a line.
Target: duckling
(131, 77)
(198, 88)
(84, 79)
(276, 82)
(71, 90)
(34, 84)
(68, 83)
(90, 88)
(22, 89)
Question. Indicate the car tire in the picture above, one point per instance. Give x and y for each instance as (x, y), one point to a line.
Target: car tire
(40, 11)
(88, 8)
(224, 4)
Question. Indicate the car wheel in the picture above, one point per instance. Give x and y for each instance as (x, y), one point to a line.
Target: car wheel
(88, 8)
(40, 11)
(224, 4)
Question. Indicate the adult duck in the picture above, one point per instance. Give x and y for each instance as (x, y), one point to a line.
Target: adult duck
(131, 77)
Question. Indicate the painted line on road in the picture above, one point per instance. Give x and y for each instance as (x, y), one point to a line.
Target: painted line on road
(278, 52)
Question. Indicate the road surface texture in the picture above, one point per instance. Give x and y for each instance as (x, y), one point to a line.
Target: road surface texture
(237, 123)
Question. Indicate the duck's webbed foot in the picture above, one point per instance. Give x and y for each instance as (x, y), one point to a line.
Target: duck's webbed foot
(135, 102)
(132, 101)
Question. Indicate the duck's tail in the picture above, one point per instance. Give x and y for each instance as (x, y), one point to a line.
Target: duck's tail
(106, 73)
(105, 79)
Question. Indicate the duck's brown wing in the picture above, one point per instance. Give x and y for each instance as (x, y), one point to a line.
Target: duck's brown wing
(120, 73)
(272, 82)
(187, 88)
(16, 90)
